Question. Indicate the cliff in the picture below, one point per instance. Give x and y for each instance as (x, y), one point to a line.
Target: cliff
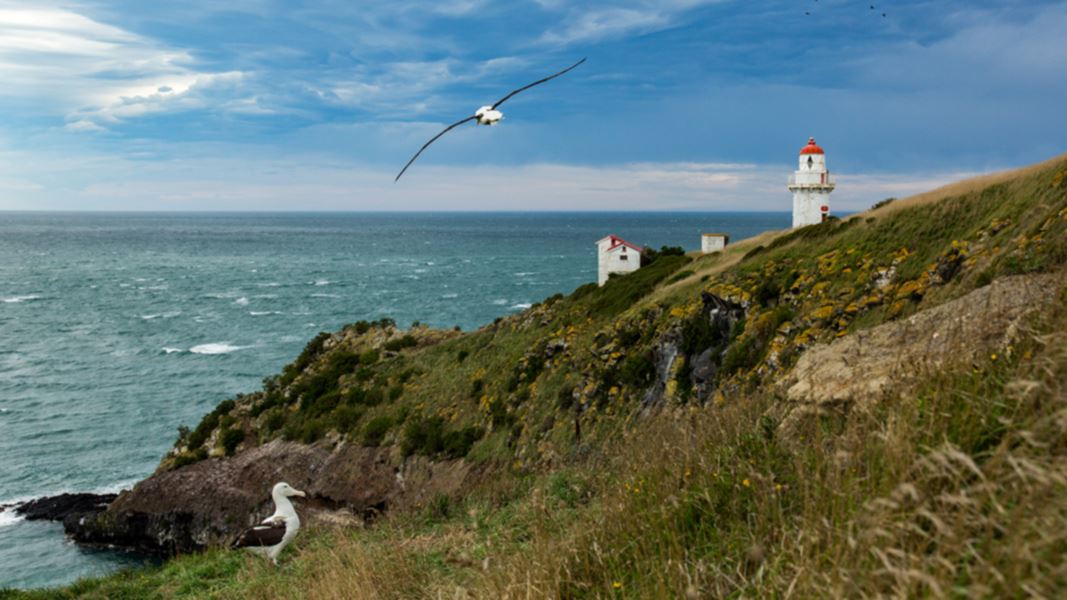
(877, 392)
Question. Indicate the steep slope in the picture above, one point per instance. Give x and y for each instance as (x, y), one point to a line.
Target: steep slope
(853, 406)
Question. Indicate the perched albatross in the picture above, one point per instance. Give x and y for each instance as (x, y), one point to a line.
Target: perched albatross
(486, 115)
(275, 532)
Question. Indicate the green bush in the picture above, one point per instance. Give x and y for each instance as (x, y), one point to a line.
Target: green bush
(310, 353)
(395, 345)
(423, 436)
(428, 437)
(347, 417)
(312, 431)
(375, 429)
(203, 430)
(274, 420)
(230, 439)
(637, 370)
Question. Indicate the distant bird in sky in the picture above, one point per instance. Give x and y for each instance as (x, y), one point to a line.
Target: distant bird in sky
(486, 115)
(275, 532)
(872, 7)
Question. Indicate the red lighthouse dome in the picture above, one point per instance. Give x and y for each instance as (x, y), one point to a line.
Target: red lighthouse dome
(811, 148)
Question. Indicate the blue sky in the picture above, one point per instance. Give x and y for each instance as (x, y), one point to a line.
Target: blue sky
(683, 104)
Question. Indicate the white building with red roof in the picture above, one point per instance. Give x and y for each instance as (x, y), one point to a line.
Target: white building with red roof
(616, 255)
(811, 185)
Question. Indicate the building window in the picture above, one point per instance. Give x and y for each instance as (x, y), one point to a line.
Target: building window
(624, 257)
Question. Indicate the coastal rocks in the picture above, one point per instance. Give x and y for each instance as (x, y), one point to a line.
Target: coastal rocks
(59, 508)
(190, 508)
(721, 316)
(701, 343)
(665, 355)
(854, 372)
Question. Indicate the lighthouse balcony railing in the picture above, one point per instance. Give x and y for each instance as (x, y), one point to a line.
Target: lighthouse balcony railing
(824, 180)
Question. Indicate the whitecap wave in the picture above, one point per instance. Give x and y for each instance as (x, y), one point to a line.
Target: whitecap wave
(325, 295)
(166, 315)
(269, 284)
(20, 299)
(322, 282)
(8, 517)
(264, 313)
(450, 296)
(500, 302)
(521, 306)
(524, 273)
(242, 301)
(216, 348)
(171, 350)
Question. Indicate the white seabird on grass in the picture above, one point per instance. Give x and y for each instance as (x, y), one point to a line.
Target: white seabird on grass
(486, 115)
(275, 532)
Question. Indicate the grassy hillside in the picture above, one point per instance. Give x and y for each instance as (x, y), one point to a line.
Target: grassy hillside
(633, 439)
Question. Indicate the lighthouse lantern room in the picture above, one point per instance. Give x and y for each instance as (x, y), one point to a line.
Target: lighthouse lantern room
(811, 185)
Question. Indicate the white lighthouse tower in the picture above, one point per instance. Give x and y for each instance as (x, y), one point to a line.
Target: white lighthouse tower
(811, 186)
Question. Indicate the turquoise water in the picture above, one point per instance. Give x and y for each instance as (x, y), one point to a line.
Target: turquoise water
(117, 328)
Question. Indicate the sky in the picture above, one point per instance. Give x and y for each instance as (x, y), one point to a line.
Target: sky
(681, 105)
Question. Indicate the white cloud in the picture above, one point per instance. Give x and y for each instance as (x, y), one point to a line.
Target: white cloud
(54, 60)
(596, 23)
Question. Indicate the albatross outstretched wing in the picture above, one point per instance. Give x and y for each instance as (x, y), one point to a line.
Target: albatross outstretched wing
(261, 535)
(538, 82)
(432, 140)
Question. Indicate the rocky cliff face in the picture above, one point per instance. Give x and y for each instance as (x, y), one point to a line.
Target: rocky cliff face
(206, 503)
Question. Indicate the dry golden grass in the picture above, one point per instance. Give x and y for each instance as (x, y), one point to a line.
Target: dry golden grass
(967, 186)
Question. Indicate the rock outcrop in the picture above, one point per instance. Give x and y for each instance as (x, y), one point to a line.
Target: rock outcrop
(64, 506)
(192, 507)
(853, 372)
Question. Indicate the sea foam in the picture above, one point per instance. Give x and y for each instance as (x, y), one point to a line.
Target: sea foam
(19, 299)
(216, 348)
(8, 517)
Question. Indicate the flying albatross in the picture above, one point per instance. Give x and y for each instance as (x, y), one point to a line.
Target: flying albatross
(486, 115)
(275, 532)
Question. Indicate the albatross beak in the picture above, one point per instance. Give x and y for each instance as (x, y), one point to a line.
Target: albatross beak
(299, 493)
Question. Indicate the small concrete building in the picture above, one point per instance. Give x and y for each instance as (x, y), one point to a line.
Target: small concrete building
(811, 185)
(713, 242)
(616, 255)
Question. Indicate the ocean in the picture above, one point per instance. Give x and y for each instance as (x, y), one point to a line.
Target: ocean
(117, 328)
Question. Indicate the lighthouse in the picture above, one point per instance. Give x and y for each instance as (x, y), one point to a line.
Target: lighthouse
(811, 185)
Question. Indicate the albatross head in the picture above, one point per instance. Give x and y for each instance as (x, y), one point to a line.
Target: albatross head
(285, 490)
(487, 116)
